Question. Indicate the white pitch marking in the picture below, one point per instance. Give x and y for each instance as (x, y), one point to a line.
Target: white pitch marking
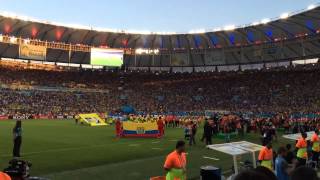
(173, 140)
(227, 171)
(134, 145)
(156, 148)
(155, 142)
(212, 158)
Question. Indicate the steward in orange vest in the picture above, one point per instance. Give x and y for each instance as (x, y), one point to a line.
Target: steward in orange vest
(315, 146)
(266, 156)
(302, 153)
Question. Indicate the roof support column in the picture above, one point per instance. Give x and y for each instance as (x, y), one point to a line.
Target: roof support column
(261, 55)
(303, 50)
(282, 50)
(153, 59)
(224, 56)
(188, 57)
(135, 60)
(170, 55)
(241, 55)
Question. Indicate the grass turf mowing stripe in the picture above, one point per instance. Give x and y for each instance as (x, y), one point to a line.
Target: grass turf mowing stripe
(212, 158)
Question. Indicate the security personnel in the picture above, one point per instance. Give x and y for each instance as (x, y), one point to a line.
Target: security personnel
(315, 146)
(266, 156)
(17, 139)
(176, 162)
(302, 153)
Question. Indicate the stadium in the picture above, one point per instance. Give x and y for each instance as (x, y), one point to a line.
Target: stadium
(95, 103)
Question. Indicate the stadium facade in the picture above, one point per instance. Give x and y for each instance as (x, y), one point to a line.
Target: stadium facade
(269, 43)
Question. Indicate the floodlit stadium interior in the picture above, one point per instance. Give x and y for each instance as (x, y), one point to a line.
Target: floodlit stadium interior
(95, 103)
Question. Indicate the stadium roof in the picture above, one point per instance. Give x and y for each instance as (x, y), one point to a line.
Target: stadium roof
(287, 26)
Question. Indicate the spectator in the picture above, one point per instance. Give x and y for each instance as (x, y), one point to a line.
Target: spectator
(304, 172)
(251, 175)
(289, 155)
(282, 168)
(266, 172)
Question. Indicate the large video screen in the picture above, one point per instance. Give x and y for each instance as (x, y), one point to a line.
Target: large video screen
(106, 57)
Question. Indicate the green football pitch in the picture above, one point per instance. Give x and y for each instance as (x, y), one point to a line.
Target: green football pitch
(60, 150)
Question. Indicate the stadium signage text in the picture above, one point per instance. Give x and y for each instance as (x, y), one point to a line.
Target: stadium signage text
(21, 117)
(32, 52)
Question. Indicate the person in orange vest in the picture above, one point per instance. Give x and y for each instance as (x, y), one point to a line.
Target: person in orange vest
(176, 162)
(302, 153)
(315, 146)
(4, 176)
(266, 156)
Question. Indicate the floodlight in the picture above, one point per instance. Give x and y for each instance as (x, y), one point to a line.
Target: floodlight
(265, 21)
(13, 39)
(229, 27)
(311, 6)
(284, 16)
(217, 29)
(255, 23)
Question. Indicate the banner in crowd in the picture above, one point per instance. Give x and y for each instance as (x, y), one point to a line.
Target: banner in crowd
(133, 129)
(91, 119)
(33, 52)
(4, 117)
(22, 117)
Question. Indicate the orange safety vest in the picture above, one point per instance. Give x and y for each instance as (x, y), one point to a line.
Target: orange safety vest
(302, 148)
(266, 156)
(315, 141)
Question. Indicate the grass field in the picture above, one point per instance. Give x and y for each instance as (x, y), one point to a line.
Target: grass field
(60, 150)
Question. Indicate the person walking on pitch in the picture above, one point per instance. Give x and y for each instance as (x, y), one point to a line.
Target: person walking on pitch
(17, 139)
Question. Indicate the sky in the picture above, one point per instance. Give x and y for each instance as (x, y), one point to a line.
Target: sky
(154, 15)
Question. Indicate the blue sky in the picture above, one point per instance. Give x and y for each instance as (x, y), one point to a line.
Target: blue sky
(153, 15)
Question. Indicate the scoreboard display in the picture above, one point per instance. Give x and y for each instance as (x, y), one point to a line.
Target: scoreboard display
(106, 57)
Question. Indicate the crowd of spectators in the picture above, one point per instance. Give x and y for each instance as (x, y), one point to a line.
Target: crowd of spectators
(281, 90)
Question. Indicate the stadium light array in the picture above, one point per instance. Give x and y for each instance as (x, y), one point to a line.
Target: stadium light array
(229, 28)
(284, 16)
(311, 6)
(217, 29)
(255, 23)
(76, 26)
(265, 21)
(27, 41)
(199, 31)
(147, 51)
(13, 40)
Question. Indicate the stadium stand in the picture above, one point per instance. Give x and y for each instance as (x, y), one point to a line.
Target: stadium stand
(255, 78)
(30, 91)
